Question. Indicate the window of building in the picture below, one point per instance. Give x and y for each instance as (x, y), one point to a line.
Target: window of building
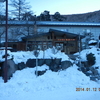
(48, 37)
(54, 37)
(50, 45)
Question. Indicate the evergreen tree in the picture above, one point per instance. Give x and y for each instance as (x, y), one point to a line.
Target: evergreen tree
(45, 16)
(58, 17)
(91, 59)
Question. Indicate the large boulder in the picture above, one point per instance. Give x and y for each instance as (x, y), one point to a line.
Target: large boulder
(65, 64)
(83, 69)
(48, 62)
(21, 66)
(41, 62)
(55, 65)
(10, 69)
(85, 63)
(93, 78)
(57, 61)
(39, 73)
(31, 63)
(94, 71)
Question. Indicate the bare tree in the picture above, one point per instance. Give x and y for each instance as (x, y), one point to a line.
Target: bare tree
(2, 13)
(2, 31)
(15, 34)
(20, 7)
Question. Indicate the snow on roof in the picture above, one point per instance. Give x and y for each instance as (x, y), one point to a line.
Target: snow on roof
(52, 23)
(66, 23)
(18, 22)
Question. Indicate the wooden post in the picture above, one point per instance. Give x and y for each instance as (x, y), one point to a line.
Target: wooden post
(65, 44)
(53, 38)
(26, 44)
(76, 46)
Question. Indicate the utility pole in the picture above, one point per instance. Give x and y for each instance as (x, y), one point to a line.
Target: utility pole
(6, 41)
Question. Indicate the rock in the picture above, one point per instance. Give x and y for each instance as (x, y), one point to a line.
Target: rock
(48, 62)
(57, 61)
(31, 63)
(83, 69)
(88, 74)
(65, 64)
(94, 78)
(94, 71)
(41, 62)
(98, 77)
(87, 68)
(53, 64)
(21, 66)
(54, 67)
(85, 64)
(11, 68)
(40, 72)
(96, 67)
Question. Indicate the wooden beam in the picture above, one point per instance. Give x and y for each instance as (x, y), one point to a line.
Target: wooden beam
(52, 34)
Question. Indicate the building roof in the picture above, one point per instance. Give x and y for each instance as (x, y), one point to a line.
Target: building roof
(70, 35)
(56, 32)
(49, 23)
(67, 23)
(35, 35)
(18, 23)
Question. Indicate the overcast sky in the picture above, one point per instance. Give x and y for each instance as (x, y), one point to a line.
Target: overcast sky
(64, 6)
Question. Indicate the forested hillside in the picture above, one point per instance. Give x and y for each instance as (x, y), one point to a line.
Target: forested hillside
(86, 17)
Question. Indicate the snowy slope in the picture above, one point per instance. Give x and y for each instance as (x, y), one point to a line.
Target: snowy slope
(24, 85)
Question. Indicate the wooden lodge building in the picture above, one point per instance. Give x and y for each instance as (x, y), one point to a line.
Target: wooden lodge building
(68, 41)
(46, 34)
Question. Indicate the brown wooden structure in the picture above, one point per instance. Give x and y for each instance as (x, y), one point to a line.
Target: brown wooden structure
(68, 41)
(17, 46)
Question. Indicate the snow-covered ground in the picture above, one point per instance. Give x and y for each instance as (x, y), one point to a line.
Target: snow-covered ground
(69, 84)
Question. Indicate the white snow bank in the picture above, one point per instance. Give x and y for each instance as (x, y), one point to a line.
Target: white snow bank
(51, 86)
(23, 56)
